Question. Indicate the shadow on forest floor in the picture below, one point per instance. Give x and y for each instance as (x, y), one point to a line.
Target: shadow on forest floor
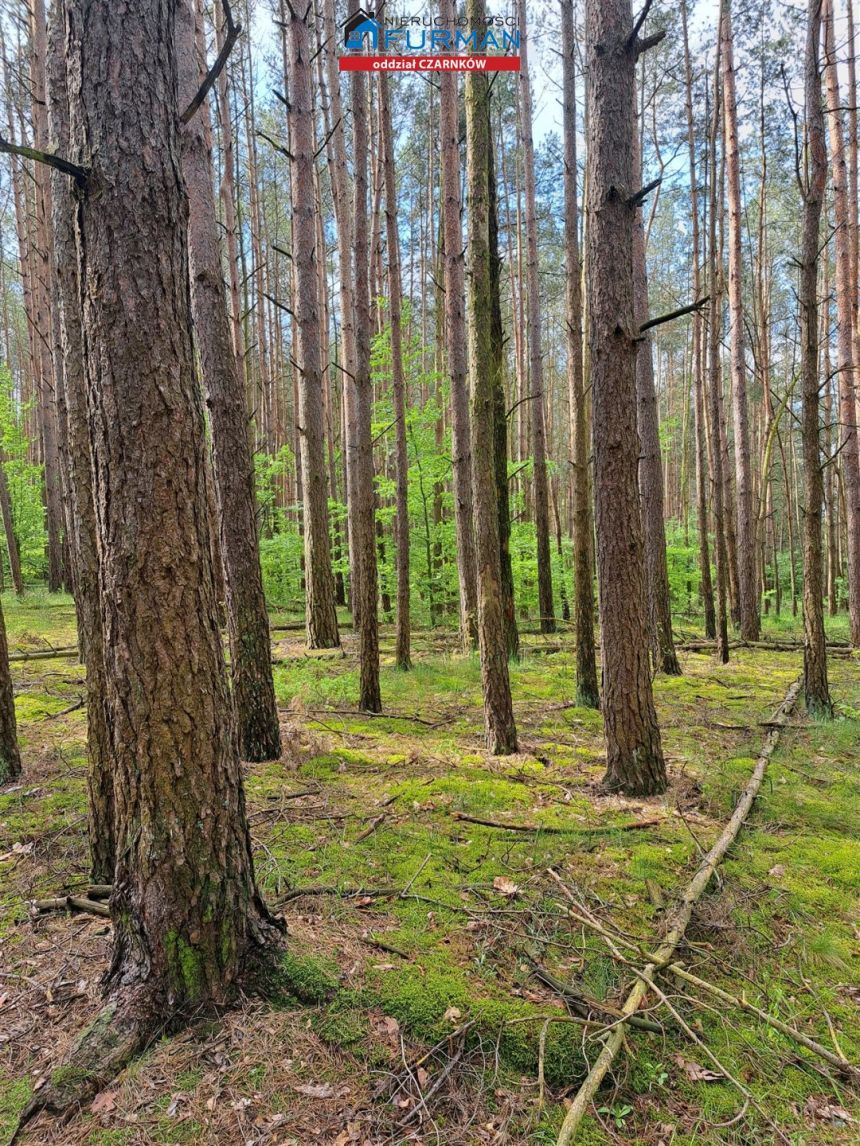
(425, 929)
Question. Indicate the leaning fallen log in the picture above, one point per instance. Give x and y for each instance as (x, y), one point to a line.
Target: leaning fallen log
(680, 919)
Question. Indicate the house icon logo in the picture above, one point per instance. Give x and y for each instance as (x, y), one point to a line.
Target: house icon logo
(360, 25)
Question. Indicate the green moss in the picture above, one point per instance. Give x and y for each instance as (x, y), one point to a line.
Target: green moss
(308, 978)
(185, 967)
(14, 1096)
(341, 1028)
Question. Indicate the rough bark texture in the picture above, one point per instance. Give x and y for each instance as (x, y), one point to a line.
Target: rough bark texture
(9, 531)
(320, 611)
(187, 915)
(587, 692)
(848, 444)
(536, 379)
(362, 492)
(815, 685)
(747, 591)
(83, 535)
(398, 383)
(700, 420)
(650, 457)
(232, 465)
(455, 338)
(634, 755)
(498, 708)
(10, 757)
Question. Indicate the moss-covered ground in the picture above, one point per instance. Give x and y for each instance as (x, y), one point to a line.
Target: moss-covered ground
(425, 929)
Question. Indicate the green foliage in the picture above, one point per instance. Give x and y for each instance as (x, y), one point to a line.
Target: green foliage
(25, 480)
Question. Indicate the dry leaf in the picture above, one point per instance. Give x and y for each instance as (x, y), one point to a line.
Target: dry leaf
(696, 1072)
(103, 1103)
(452, 1014)
(777, 870)
(505, 886)
(316, 1090)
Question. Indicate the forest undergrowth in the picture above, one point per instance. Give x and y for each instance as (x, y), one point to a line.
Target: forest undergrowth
(441, 878)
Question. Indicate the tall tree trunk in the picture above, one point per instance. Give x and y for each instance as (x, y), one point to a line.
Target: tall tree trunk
(455, 337)
(747, 594)
(537, 397)
(650, 457)
(498, 708)
(587, 692)
(9, 531)
(83, 534)
(634, 755)
(398, 383)
(320, 611)
(715, 383)
(363, 507)
(815, 685)
(698, 357)
(10, 757)
(187, 917)
(844, 334)
(233, 470)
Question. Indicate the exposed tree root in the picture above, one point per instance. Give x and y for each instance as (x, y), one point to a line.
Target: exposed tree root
(680, 919)
(99, 1053)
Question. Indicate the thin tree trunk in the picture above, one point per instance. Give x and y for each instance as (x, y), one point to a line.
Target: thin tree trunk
(83, 534)
(634, 754)
(698, 357)
(747, 595)
(10, 757)
(247, 619)
(844, 335)
(498, 708)
(587, 692)
(650, 457)
(398, 383)
(455, 334)
(363, 492)
(320, 610)
(815, 687)
(537, 398)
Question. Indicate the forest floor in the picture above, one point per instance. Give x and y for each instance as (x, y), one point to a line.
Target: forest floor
(410, 1012)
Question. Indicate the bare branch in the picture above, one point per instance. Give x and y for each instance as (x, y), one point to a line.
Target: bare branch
(79, 174)
(233, 33)
(679, 313)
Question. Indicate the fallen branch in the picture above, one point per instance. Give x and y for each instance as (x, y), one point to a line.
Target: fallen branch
(584, 1007)
(71, 903)
(45, 654)
(680, 920)
(343, 893)
(635, 826)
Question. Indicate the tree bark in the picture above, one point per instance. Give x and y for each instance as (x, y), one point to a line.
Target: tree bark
(398, 383)
(587, 691)
(247, 618)
(650, 457)
(498, 708)
(187, 915)
(10, 757)
(634, 754)
(363, 493)
(83, 534)
(455, 336)
(849, 451)
(746, 525)
(815, 687)
(537, 398)
(320, 611)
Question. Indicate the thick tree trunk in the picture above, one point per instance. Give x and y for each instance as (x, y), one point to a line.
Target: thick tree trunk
(83, 533)
(186, 912)
(587, 692)
(815, 686)
(247, 619)
(747, 592)
(398, 383)
(455, 336)
(320, 611)
(10, 757)
(634, 754)
(498, 709)
(536, 375)
(650, 457)
(849, 451)
(362, 493)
